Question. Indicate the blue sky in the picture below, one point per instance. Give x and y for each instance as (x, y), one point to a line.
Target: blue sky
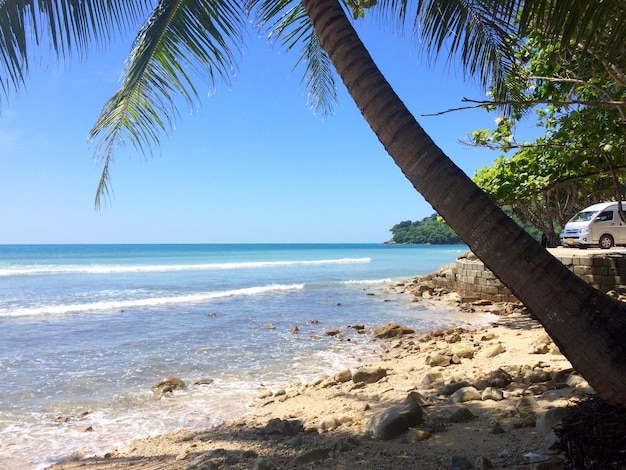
(252, 165)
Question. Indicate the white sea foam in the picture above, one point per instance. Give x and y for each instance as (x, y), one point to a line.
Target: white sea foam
(370, 281)
(143, 268)
(143, 302)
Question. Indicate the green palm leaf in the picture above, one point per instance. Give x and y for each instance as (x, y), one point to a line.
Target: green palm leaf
(287, 22)
(181, 41)
(69, 27)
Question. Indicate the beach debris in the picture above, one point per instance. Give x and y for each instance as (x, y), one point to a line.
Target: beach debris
(395, 420)
(294, 329)
(270, 326)
(167, 386)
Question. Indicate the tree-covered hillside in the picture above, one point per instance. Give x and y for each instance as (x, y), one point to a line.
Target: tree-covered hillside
(429, 230)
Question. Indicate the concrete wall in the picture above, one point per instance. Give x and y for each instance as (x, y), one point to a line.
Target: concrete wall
(468, 276)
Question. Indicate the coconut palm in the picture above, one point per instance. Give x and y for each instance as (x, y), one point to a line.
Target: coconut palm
(186, 40)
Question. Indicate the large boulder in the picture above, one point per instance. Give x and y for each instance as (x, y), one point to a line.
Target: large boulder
(395, 420)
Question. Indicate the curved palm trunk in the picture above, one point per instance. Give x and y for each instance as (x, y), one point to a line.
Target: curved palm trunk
(588, 327)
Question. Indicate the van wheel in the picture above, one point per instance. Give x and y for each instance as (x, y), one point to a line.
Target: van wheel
(606, 242)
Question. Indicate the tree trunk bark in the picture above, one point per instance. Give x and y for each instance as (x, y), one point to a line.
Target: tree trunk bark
(587, 326)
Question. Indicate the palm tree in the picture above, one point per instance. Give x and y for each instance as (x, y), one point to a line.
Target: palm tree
(203, 36)
(586, 325)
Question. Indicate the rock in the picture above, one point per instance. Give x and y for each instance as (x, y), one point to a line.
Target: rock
(332, 332)
(167, 385)
(283, 427)
(546, 423)
(416, 397)
(433, 380)
(294, 329)
(464, 394)
(452, 387)
(541, 345)
(417, 435)
(392, 330)
(483, 463)
(499, 378)
(493, 351)
(263, 394)
(539, 377)
(395, 420)
(203, 382)
(308, 457)
(575, 380)
(461, 415)
(463, 350)
(438, 360)
(343, 376)
(294, 441)
(328, 424)
(369, 375)
(263, 463)
(526, 404)
(497, 429)
(460, 462)
(492, 393)
(345, 444)
(453, 338)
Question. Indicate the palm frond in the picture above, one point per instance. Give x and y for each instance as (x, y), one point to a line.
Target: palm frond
(181, 41)
(476, 32)
(287, 22)
(586, 23)
(68, 27)
(319, 76)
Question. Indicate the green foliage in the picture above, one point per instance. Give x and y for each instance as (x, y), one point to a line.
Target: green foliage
(578, 160)
(428, 231)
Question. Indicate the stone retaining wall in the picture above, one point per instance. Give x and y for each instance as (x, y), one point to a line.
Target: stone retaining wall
(469, 277)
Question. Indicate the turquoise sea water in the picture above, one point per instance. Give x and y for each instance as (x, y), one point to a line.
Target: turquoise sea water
(92, 327)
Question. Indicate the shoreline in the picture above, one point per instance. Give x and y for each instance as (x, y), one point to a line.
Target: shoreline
(328, 422)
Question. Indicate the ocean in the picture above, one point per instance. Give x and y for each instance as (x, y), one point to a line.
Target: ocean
(90, 328)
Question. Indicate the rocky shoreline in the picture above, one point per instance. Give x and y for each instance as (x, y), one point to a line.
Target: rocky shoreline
(449, 399)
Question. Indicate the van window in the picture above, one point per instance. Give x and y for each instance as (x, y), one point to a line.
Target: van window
(584, 216)
(604, 216)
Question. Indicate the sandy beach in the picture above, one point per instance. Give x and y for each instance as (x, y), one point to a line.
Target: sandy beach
(484, 398)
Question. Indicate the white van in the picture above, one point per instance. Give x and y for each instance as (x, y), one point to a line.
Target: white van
(597, 225)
